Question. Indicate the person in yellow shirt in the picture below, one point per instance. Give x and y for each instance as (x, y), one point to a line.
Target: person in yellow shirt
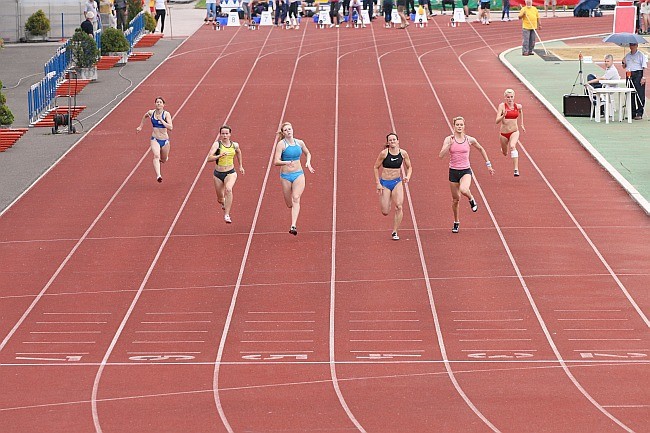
(530, 24)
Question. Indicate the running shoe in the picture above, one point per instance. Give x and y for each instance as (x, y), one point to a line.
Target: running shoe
(159, 179)
(516, 173)
(473, 205)
(293, 230)
(454, 229)
(227, 219)
(395, 236)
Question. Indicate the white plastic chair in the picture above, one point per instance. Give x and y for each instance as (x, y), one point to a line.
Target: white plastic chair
(596, 103)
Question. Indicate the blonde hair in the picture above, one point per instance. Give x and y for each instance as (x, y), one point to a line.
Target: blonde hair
(508, 92)
(453, 121)
(280, 133)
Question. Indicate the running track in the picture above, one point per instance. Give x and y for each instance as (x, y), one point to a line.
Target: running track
(130, 306)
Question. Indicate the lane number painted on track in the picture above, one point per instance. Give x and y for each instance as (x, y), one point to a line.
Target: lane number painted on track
(629, 355)
(514, 355)
(170, 357)
(275, 357)
(69, 358)
(380, 356)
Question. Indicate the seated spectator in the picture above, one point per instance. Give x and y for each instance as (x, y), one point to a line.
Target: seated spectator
(610, 74)
(87, 25)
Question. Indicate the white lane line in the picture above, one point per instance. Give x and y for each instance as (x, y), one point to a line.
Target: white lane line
(386, 340)
(385, 330)
(423, 263)
(280, 321)
(280, 330)
(627, 406)
(384, 311)
(52, 353)
(587, 311)
(593, 319)
(78, 314)
(176, 321)
(167, 341)
(604, 339)
(70, 323)
(167, 352)
(168, 332)
(282, 312)
(183, 312)
(276, 341)
(610, 350)
(65, 332)
(499, 350)
(491, 329)
(249, 240)
(484, 311)
(382, 320)
(126, 317)
(500, 339)
(58, 342)
(275, 351)
(384, 351)
(599, 329)
(520, 277)
(488, 320)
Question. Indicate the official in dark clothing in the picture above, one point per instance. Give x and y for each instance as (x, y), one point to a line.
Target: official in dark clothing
(87, 25)
(120, 14)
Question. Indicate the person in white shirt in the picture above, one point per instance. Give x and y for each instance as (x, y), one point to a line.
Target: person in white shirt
(610, 74)
(91, 6)
(635, 62)
(161, 11)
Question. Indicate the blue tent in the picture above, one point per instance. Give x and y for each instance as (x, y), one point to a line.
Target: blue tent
(582, 9)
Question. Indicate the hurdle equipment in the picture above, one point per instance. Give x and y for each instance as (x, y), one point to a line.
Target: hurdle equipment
(233, 18)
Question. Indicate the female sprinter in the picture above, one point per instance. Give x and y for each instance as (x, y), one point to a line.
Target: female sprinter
(223, 152)
(507, 115)
(390, 185)
(460, 173)
(287, 155)
(161, 121)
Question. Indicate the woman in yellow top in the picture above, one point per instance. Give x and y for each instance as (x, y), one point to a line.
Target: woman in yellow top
(223, 152)
(530, 23)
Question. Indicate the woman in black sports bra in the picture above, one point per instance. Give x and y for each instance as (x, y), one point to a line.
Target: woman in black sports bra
(390, 185)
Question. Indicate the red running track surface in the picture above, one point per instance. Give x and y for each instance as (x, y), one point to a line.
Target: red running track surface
(129, 305)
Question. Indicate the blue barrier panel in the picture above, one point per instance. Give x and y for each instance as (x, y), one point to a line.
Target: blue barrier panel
(135, 31)
(60, 62)
(40, 96)
(98, 39)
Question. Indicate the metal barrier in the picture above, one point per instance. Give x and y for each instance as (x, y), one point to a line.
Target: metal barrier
(60, 62)
(98, 39)
(135, 31)
(40, 96)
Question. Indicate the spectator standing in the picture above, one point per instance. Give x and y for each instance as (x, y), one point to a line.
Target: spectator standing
(644, 9)
(387, 9)
(553, 6)
(280, 12)
(530, 24)
(210, 11)
(91, 6)
(161, 11)
(87, 24)
(505, 11)
(120, 14)
(635, 62)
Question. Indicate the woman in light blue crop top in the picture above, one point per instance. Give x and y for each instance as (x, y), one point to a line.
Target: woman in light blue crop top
(287, 155)
(161, 121)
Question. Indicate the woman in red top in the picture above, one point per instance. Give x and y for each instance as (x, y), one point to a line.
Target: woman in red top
(507, 115)
(457, 146)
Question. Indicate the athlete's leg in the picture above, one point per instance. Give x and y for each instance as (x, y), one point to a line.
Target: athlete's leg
(398, 200)
(228, 184)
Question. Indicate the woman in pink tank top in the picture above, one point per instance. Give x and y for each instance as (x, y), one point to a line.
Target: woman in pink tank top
(460, 172)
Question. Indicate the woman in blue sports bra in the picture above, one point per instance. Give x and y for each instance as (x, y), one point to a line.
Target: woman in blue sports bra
(161, 121)
(287, 155)
(390, 186)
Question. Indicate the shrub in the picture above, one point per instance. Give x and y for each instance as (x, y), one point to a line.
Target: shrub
(6, 116)
(83, 49)
(114, 41)
(149, 22)
(38, 24)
